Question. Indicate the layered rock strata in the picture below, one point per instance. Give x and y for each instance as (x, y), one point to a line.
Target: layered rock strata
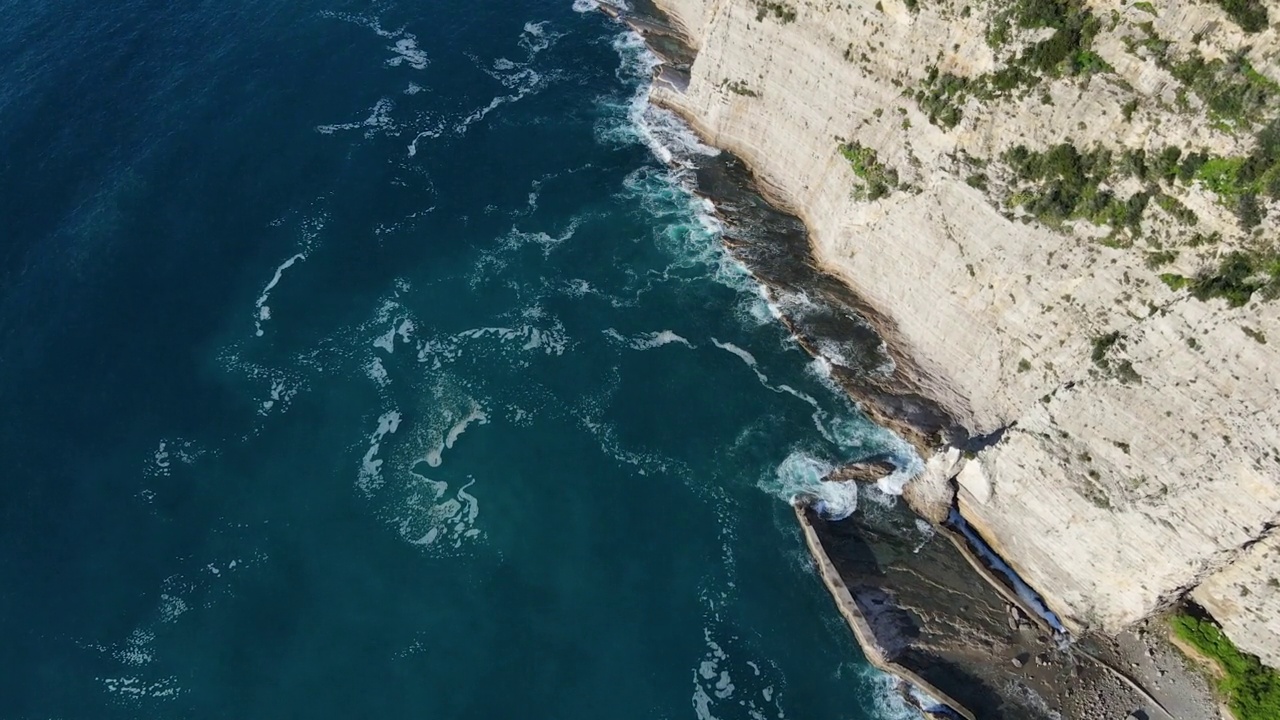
(1121, 433)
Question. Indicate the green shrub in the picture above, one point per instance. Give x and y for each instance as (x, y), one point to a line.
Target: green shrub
(1234, 280)
(1200, 239)
(1248, 212)
(940, 97)
(1238, 276)
(1125, 373)
(1067, 51)
(1087, 62)
(1191, 164)
(1222, 175)
(783, 12)
(1239, 180)
(879, 180)
(1180, 212)
(1256, 335)
(1101, 346)
(1231, 88)
(1250, 15)
(1063, 183)
(1160, 258)
(1166, 163)
(1251, 688)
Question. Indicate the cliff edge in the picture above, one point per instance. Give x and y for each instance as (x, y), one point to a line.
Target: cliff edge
(1065, 214)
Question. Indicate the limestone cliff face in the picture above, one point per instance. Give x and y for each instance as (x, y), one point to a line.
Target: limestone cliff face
(1139, 458)
(1245, 596)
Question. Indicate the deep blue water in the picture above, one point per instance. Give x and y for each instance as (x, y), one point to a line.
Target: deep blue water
(362, 360)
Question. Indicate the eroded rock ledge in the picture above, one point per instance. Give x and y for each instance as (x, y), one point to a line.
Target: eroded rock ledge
(1126, 428)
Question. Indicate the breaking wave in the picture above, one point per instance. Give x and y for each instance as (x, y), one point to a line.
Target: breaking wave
(637, 120)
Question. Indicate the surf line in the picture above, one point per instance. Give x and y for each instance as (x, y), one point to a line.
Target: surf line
(873, 651)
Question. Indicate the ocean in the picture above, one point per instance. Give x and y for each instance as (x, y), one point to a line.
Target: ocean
(375, 359)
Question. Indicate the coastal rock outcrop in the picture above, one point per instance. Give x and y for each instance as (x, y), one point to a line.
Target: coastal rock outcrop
(1101, 334)
(865, 471)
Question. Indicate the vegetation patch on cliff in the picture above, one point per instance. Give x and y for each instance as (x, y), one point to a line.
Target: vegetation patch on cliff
(1239, 181)
(1065, 183)
(1234, 92)
(782, 11)
(1250, 15)
(1251, 688)
(739, 87)
(1121, 369)
(1239, 275)
(941, 95)
(1062, 184)
(878, 179)
(1066, 52)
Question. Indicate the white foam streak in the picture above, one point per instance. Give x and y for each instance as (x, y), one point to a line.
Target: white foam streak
(515, 238)
(889, 701)
(405, 48)
(745, 356)
(551, 342)
(134, 688)
(370, 476)
(387, 341)
(432, 133)
(477, 415)
(819, 415)
(647, 341)
(407, 53)
(264, 310)
(479, 114)
(536, 38)
(377, 372)
(379, 119)
(714, 687)
(518, 76)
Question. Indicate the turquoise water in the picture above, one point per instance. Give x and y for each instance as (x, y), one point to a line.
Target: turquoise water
(363, 360)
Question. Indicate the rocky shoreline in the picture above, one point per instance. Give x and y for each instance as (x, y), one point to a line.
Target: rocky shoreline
(1116, 432)
(921, 602)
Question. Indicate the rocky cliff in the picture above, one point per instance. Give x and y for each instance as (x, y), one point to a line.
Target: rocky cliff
(1064, 213)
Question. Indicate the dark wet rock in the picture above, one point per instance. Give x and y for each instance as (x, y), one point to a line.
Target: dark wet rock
(866, 471)
(826, 317)
(932, 615)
